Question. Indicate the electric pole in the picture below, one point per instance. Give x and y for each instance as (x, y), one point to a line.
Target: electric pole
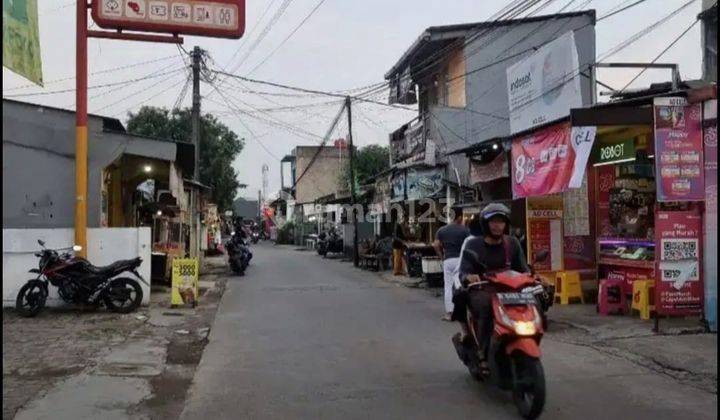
(195, 123)
(196, 57)
(356, 255)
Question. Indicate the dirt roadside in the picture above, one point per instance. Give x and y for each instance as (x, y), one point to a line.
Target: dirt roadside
(41, 353)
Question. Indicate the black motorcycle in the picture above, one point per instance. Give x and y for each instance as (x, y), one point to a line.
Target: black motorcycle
(239, 254)
(330, 243)
(80, 282)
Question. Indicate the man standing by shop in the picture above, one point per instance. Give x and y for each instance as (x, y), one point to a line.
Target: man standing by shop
(448, 242)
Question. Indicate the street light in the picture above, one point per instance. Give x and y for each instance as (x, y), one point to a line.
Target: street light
(147, 169)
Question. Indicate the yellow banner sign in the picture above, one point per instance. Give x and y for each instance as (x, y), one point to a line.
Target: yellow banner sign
(21, 39)
(185, 284)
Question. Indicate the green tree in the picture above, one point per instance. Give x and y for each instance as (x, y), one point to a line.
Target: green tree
(369, 161)
(219, 146)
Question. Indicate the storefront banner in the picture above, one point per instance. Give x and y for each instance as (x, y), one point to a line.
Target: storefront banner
(606, 182)
(710, 230)
(679, 150)
(542, 162)
(582, 140)
(397, 185)
(544, 86)
(424, 183)
(21, 39)
(496, 169)
(679, 289)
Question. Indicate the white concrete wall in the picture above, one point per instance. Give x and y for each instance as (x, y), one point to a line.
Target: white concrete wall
(105, 245)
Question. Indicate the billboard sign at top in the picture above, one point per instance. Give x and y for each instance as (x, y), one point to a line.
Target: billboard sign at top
(544, 86)
(211, 18)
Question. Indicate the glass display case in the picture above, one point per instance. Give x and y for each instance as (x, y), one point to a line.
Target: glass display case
(627, 252)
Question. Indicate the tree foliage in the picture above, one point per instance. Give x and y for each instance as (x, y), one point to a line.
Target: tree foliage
(219, 146)
(369, 161)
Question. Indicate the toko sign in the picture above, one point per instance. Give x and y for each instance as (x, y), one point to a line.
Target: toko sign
(544, 86)
(212, 18)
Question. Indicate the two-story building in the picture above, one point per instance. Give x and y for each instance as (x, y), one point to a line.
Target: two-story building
(457, 74)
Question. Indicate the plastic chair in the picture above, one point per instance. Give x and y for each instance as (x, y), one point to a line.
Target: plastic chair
(642, 298)
(567, 286)
(611, 298)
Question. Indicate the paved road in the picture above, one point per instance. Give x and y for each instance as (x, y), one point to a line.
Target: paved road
(305, 338)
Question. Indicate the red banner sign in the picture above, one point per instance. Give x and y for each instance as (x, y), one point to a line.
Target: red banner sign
(213, 18)
(542, 162)
(679, 288)
(679, 150)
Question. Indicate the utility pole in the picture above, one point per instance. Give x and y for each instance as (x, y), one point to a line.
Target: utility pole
(196, 57)
(356, 256)
(81, 128)
(195, 122)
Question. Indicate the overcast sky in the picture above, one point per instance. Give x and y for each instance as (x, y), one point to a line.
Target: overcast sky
(345, 44)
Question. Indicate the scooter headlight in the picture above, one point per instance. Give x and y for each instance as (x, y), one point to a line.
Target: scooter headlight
(525, 328)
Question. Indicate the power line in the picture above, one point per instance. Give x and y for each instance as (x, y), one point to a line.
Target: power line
(252, 31)
(609, 14)
(298, 89)
(148, 98)
(288, 37)
(124, 98)
(92, 87)
(281, 10)
(110, 70)
(661, 54)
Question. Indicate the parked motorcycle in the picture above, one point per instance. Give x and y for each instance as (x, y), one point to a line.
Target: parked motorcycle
(330, 243)
(80, 282)
(239, 254)
(514, 353)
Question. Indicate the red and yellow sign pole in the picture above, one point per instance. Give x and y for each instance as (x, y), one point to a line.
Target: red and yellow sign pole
(81, 129)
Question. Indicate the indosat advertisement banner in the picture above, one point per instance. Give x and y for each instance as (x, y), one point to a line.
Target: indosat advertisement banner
(544, 86)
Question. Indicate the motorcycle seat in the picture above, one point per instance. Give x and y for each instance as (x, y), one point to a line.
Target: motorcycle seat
(116, 267)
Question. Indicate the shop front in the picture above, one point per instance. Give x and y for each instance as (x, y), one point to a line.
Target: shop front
(648, 165)
(548, 178)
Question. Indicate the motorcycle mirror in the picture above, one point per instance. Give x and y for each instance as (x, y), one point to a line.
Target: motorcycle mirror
(41, 242)
(77, 248)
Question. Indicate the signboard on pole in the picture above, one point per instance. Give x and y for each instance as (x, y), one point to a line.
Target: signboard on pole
(544, 86)
(212, 18)
(185, 284)
(679, 289)
(679, 150)
(542, 162)
(21, 39)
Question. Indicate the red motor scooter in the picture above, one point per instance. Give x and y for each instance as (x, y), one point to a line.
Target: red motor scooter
(514, 353)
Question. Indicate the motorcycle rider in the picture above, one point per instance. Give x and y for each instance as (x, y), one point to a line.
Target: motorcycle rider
(498, 252)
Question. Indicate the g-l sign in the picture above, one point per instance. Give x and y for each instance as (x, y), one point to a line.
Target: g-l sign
(212, 18)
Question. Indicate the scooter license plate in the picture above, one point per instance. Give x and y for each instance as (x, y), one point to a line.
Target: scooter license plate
(516, 298)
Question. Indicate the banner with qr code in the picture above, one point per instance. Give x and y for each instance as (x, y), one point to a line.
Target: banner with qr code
(185, 285)
(679, 287)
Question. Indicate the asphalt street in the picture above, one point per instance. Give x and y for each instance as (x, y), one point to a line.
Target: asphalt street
(301, 337)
